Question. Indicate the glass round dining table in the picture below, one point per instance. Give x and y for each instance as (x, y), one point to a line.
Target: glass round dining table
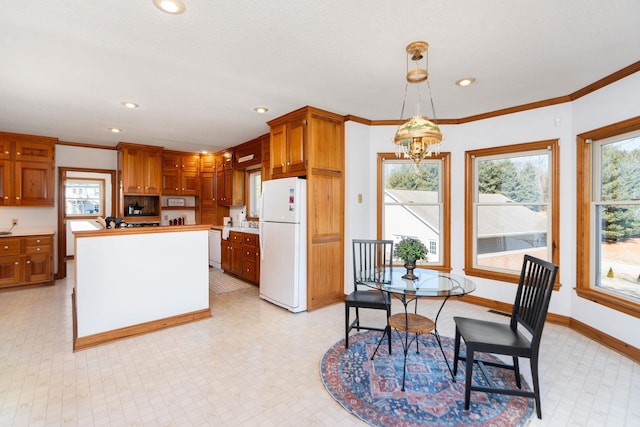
(428, 284)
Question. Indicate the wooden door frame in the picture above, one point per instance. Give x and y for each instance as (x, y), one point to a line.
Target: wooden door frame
(62, 227)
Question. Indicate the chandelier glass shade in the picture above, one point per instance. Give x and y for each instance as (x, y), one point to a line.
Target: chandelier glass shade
(418, 137)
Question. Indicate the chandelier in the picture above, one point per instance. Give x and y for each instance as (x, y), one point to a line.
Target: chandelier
(418, 137)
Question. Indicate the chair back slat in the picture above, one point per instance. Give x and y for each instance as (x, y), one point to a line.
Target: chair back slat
(372, 261)
(534, 293)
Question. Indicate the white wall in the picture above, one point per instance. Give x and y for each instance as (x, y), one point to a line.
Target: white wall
(614, 103)
(357, 215)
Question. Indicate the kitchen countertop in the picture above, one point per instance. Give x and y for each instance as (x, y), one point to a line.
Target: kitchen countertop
(28, 231)
(225, 230)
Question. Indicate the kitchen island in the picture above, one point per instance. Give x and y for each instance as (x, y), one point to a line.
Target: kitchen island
(131, 281)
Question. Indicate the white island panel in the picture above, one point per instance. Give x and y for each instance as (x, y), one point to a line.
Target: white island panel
(124, 280)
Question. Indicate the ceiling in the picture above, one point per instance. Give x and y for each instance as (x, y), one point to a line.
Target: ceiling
(67, 66)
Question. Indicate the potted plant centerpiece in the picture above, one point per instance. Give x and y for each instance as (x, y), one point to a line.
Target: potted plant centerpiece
(410, 250)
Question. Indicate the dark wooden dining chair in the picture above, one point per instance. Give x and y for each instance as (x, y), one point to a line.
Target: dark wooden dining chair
(529, 312)
(372, 262)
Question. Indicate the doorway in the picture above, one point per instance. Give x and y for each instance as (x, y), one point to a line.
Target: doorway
(83, 195)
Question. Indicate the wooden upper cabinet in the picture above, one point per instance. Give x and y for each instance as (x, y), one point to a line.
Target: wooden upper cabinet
(248, 154)
(288, 145)
(229, 181)
(207, 163)
(180, 173)
(266, 158)
(278, 149)
(140, 169)
(26, 170)
(34, 184)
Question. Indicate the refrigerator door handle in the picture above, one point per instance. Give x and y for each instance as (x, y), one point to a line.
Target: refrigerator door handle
(261, 241)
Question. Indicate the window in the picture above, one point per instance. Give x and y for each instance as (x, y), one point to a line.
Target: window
(84, 197)
(413, 201)
(254, 179)
(608, 222)
(511, 208)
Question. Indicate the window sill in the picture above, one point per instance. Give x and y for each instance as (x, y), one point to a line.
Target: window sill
(499, 276)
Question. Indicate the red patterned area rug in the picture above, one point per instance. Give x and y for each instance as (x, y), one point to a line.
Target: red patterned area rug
(371, 389)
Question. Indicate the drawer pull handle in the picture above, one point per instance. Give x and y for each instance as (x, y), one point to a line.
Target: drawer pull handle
(38, 249)
(16, 263)
(6, 247)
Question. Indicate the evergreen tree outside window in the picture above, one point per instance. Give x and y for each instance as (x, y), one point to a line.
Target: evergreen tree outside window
(511, 208)
(616, 209)
(608, 216)
(413, 201)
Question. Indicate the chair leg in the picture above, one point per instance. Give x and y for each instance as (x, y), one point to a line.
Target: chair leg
(346, 326)
(388, 328)
(468, 376)
(357, 319)
(516, 370)
(456, 354)
(536, 384)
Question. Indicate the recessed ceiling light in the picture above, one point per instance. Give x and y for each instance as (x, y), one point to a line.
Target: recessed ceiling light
(467, 81)
(129, 104)
(115, 130)
(174, 7)
(261, 110)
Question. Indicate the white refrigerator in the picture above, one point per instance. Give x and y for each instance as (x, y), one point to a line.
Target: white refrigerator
(283, 243)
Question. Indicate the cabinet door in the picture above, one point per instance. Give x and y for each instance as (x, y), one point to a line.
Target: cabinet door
(225, 259)
(237, 255)
(132, 171)
(5, 147)
(10, 269)
(170, 161)
(278, 150)
(220, 188)
(6, 198)
(190, 183)
(296, 140)
(207, 163)
(153, 175)
(189, 163)
(228, 187)
(34, 184)
(171, 181)
(38, 268)
(34, 151)
(207, 189)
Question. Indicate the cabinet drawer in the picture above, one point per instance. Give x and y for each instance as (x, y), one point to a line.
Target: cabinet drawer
(9, 247)
(235, 236)
(250, 239)
(39, 240)
(30, 250)
(249, 271)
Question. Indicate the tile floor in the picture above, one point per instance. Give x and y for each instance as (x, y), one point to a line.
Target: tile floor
(251, 364)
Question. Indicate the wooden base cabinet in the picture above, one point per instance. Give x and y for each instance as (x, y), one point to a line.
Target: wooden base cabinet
(26, 260)
(241, 256)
